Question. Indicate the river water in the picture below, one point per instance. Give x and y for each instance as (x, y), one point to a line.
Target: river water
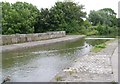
(42, 63)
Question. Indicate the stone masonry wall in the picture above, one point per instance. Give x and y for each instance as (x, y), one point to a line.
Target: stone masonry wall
(21, 38)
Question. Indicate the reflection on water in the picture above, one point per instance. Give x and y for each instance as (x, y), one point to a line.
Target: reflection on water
(42, 63)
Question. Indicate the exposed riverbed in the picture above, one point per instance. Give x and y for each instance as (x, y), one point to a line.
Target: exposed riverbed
(93, 67)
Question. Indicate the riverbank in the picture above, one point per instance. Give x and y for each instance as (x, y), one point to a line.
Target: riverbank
(38, 43)
(94, 67)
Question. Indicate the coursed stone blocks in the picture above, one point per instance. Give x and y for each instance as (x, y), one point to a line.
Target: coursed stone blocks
(21, 38)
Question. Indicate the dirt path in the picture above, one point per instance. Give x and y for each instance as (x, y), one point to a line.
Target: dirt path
(94, 67)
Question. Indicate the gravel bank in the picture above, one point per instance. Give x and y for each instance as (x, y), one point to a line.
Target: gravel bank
(94, 67)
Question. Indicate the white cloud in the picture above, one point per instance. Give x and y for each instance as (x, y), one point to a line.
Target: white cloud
(89, 4)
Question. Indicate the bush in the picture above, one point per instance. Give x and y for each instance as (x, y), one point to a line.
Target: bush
(107, 30)
(19, 17)
(101, 46)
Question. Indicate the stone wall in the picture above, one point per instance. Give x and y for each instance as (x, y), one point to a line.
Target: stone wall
(21, 38)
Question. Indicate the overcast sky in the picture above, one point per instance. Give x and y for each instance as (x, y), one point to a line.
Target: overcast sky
(89, 4)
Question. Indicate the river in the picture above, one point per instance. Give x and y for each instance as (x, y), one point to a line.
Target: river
(42, 63)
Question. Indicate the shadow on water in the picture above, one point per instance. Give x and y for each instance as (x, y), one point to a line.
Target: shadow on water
(42, 63)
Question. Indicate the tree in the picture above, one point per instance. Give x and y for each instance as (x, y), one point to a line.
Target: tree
(65, 16)
(43, 23)
(118, 25)
(103, 16)
(118, 22)
(105, 21)
(68, 16)
(0, 18)
(93, 17)
(19, 17)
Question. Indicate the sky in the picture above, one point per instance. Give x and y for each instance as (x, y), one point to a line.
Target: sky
(89, 4)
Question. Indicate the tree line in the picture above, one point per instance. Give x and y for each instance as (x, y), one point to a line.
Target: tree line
(24, 18)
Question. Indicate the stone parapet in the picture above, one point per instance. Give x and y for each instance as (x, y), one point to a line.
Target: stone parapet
(21, 38)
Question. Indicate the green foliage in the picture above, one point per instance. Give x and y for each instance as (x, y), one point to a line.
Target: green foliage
(94, 32)
(43, 24)
(103, 16)
(113, 82)
(0, 18)
(99, 47)
(58, 78)
(65, 16)
(106, 30)
(19, 17)
(23, 18)
(118, 24)
(105, 21)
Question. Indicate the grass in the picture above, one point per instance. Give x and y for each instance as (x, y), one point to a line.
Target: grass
(113, 82)
(58, 78)
(103, 45)
(99, 47)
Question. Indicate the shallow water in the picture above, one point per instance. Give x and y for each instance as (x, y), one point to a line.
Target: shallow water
(42, 63)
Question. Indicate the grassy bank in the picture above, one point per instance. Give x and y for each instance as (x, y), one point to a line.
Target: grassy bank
(99, 47)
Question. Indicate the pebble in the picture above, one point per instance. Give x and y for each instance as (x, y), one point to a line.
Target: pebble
(97, 65)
